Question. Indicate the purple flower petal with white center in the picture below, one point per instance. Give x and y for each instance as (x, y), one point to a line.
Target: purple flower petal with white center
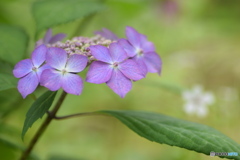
(62, 75)
(72, 83)
(117, 53)
(131, 70)
(28, 84)
(39, 55)
(99, 72)
(41, 69)
(76, 63)
(141, 65)
(56, 38)
(153, 62)
(51, 79)
(118, 73)
(22, 68)
(56, 58)
(106, 34)
(142, 44)
(29, 70)
(47, 36)
(143, 53)
(129, 49)
(133, 36)
(119, 83)
(101, 53)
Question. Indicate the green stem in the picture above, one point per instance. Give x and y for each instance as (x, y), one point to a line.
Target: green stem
(76, 115)
(43, 127)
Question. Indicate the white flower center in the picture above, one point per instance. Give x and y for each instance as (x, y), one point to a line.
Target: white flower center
(139, 52)
(115, 65)
(64, 71)
(34, 69)
(198, 100)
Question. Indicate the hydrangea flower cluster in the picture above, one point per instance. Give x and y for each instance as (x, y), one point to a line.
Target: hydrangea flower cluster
(111, 60)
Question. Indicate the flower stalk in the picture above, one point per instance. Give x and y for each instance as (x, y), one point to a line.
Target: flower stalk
(78, 115)
(43, 127)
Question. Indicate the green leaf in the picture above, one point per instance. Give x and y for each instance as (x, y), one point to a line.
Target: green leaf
(7, 81)
(13, 43)
(176, 132)
(38, 109)
(49, 13)
(6, 67)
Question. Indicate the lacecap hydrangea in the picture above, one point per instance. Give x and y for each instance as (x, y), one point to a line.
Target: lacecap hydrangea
(111, 60)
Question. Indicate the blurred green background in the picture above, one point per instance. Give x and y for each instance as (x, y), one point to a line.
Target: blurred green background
(199, 43)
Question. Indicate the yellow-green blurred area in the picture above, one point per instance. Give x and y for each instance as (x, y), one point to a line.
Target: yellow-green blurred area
(199, 43)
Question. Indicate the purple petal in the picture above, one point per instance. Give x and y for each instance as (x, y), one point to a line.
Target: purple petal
(76, 63)
(47, 36)
(101, 53)
(117, 53)
(22, 68)
(41, 69)
(153, 62)
(51, 79)
(39, 55)
(56, 58)
(119, 83)
(146, 46)
(129, 49)
(106, 34)
(99, 72)
(141, 64)
(131, 70)
(133, 37)
(28, 84)
(57, 37)
(72, 83)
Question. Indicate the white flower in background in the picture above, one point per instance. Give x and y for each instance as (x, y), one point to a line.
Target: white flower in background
(197, 101)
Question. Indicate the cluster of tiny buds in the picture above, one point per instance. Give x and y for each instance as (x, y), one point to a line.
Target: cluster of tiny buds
(80, 45)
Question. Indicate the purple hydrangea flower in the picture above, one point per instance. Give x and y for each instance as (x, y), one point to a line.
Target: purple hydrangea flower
(107, 34)
(62, 74)
(142, 51)
(114, 68)
(49, 39)
(30, 70)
